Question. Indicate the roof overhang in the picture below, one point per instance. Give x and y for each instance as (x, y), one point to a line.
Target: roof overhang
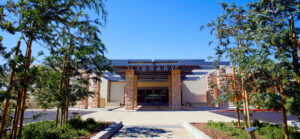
(158, 70)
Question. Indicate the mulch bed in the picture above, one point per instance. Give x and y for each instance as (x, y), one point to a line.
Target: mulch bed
(102, 127)
(213, 133)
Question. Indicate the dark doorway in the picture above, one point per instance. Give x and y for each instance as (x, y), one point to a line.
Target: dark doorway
(153, 96)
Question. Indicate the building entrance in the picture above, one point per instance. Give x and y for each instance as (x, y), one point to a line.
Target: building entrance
(153, 96)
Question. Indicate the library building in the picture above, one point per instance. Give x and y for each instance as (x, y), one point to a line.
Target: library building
(173, 83)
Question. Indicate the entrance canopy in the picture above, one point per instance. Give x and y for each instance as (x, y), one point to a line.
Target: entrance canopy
(159, 69)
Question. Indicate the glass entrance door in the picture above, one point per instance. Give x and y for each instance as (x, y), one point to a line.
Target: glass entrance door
(153, 96)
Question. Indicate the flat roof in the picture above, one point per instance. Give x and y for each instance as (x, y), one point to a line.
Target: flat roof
(159, 69)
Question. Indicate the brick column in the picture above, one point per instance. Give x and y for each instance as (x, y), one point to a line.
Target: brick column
(85, 102)
(129, 89)
(176, 89)
(170, 90)
(210, 92)
(221, 83)
(96, 90)
(135, 90)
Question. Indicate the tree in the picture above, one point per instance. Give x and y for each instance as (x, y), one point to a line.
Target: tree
(229, 28)
(268, 60)
(41, 20)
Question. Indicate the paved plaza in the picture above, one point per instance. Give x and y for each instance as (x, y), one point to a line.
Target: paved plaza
(149, 123)
(155, 121)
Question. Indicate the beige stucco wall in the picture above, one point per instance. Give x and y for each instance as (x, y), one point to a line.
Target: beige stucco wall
(103, 89)
(194, 91)
(117, 92)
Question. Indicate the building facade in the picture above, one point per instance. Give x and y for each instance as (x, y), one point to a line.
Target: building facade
(173, 83)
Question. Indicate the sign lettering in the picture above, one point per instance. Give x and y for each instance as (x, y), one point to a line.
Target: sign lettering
(153, 68)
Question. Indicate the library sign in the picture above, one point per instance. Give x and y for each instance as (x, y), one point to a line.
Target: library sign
(152, 68)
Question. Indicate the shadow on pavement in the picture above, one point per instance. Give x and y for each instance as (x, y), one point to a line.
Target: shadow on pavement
(136, 131)
(167, 108)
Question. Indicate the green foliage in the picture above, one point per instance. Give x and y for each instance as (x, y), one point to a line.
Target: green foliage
(75, 128)
(228, 130)
(270, 131)
(260, 40)
(90, 124)
(264, 130)
(48, 130)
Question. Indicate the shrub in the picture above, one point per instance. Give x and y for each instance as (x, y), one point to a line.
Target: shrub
(90, 124)
(76, 123)
(76, 127)
(268, 130)
(228, 130)
(48, 130)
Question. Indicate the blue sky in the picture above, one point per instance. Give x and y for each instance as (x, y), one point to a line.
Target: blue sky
(154, 29)
(160, 29)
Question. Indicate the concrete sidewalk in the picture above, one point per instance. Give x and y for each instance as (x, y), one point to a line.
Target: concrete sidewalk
(155, 124)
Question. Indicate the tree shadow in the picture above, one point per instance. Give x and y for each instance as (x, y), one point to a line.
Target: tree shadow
(137, 131)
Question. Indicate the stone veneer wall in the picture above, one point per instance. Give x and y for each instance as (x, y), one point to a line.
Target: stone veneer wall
(176, 89)
(221, 81)
(129, 89)
(84, 103)
(210, 92)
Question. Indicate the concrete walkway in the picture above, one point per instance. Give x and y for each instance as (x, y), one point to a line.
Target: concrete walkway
(155, 124)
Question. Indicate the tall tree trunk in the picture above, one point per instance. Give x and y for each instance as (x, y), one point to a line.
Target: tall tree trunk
(246, 102)
(27, 65)
(68, 89)
(286, 133)
(247, 108)
(296, 48)
(216, 89)
(244, 106)
(17, 114)
(62, 116)
(60, 88)
(6, 100)
(67, 114)
(13, 128)
(236, 96)
(62, 80)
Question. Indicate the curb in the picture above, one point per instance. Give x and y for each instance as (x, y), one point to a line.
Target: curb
(194, 131)
(109, 131)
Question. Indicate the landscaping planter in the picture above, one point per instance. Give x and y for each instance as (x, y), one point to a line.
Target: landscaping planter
(74, 129)
(109, 131)
(222, 130)
(198, 134)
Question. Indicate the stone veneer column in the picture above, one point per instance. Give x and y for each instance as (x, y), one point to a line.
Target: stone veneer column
(129, 89)
(85, 102)
(170, 90)
(176, 89)
(210, 92)
(221, 83)
(135, 90)
(96, 90)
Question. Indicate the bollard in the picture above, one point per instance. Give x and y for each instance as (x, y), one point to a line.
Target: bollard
(250, 131)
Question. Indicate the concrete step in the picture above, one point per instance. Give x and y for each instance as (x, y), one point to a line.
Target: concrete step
(113, 104)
